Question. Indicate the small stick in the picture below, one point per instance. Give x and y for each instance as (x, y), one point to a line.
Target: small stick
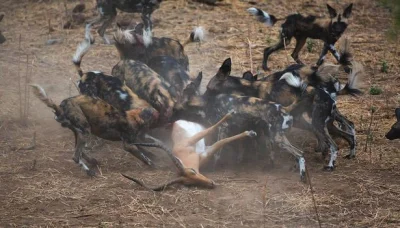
(313, 199)
(19, 79)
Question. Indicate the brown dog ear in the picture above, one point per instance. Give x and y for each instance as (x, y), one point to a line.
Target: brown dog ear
(332, 11)
(347, 11)
(225, 69)
(397, 114)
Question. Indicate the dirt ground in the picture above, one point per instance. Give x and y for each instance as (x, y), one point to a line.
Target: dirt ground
(44, 187)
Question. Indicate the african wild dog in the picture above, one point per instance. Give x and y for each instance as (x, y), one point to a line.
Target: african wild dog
(300, 99)
(108, 11)
(301, 28)
(2, 38)
(130, 45)
(189, 152)
(394, 132)
(265, 118)
(143, 81)
(85, 115)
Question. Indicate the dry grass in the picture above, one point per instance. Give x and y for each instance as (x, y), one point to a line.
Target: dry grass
(44, 187)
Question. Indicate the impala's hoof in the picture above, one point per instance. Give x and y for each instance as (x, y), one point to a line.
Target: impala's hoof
(251, 133)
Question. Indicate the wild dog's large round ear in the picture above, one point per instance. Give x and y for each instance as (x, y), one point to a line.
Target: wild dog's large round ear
(347, 11)
(225, 69)
(1, 16)
(397, 111)
(332, 11)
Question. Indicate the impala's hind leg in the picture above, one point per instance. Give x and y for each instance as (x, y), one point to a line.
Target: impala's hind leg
(205, 157)
(197, 137)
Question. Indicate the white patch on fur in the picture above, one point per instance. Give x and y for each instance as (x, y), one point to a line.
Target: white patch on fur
(286, 119)
(147, 37)
(278, 106)
(84, 166)
(122, 94)
(202, 114)
(191, 129)
(337, 86)
(261, 15)
(96, 72)
(292, 80)
(302, 165)
(333, 156)
(199, 34)
(101, 11)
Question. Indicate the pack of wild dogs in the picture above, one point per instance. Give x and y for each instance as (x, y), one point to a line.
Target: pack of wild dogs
(150, 87)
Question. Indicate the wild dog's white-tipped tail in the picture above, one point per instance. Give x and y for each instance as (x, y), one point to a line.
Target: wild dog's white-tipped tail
(197, 35)
(82, 49)
(292, 80)
(147, 37)
(124, 36)
(39, 92)
(262, 16)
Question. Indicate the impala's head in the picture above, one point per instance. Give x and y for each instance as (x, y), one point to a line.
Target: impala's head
(192, 177)
(339, 21)
(394, 132)
(186, 175)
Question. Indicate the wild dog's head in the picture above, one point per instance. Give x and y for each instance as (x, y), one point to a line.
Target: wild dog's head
(394, 132)
(191, 106)
(2, 38)
(339, 21)
(87, 85)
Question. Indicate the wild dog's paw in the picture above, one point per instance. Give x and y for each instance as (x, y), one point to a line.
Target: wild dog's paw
(90, 172)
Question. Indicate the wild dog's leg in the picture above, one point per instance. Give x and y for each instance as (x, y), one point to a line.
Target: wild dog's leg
(331, 48)
(222, 133)
(345, 135)
(284, 143)
(333, 149)
(323, 54)
(347, 132)
(205, 157)
(299, 45)
(80, 143)
(197, 137)
(138, 154)
(107, 20)
(269, 50)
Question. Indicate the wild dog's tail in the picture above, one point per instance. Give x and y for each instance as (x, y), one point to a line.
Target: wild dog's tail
(353, 83)
(345, 55)
(41, 94)
(82, 49)
(197, 35)
(263, 16)
(294, 81)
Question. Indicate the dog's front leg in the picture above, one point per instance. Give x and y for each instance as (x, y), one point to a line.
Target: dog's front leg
(323, 54)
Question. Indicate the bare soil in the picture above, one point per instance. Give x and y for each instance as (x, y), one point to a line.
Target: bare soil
(43, 187)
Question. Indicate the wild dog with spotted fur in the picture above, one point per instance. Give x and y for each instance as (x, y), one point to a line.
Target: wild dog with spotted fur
(264, 117)
(132, 45)
(282, 92)
(301, 28)
(108, 11)
(143, 81)
(394, 132)
(85, 115)
(189, 152)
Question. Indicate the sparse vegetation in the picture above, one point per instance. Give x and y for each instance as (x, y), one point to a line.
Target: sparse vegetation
(384, 67)
(41, 187)
(374, 90)
(310, 45)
